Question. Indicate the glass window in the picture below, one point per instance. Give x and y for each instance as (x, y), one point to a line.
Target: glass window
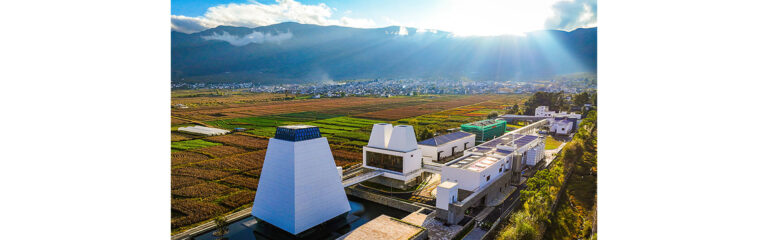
(385, 161)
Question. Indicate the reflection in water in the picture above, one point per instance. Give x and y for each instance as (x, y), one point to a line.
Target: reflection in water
(361, 212)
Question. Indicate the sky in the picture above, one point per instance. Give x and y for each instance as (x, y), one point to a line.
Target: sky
(461, 17)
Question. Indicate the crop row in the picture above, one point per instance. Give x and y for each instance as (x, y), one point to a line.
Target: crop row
(207, 174)
(220, 151)
(184, 157)
(183, 181)
(192, 144)
(192, 211)
(238, 162)
(240, 140)
(238, 199)
(202, 190)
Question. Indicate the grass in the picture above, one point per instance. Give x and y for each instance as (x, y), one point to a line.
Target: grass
(192, 144)
(550, 143)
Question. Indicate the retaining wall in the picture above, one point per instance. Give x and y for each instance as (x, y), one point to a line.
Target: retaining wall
(383, 200)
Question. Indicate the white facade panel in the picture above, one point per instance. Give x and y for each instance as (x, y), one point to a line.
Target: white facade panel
(403, 139)
(454, 147)
(299, 186)
(447, 193)
(380, 135)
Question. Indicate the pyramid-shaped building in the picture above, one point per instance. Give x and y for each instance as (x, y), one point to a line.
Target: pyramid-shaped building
(299, 186)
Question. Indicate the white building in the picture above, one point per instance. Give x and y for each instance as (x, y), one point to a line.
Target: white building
(482, 164)
(473, 171)
(200, 130)
(562, 126)
(394, 151)
(445, 146)
(543, 111)
(299, 186)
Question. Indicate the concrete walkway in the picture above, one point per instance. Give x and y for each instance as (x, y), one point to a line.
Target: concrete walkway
(475, 234)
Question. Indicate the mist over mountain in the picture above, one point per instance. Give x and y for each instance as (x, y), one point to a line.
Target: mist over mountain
(299, 53)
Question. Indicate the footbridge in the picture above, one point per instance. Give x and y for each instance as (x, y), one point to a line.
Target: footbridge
(531, 128)
(525, 118)
(361, 177)
(432, 167)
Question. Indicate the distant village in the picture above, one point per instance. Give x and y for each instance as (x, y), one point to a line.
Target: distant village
(405, 87)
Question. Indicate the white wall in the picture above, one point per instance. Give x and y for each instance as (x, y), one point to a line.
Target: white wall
(470, 180)
(446, 194)
(431, 151)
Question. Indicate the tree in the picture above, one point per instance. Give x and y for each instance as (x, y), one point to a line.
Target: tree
(581, 99)
(515, 109)
(425, 134)
(221, 226)
(493, 115)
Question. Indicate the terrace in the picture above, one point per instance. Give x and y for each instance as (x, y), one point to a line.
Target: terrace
(474, 163)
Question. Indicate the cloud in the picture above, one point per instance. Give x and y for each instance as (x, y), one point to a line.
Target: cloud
(403, 31)
(569, 15)
(254, 37)
(424, 30)
(354, 22)
(255, 14)
(190, 24)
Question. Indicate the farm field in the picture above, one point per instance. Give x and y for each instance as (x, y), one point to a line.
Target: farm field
(550, 143)
(217, 175)
(207, 113)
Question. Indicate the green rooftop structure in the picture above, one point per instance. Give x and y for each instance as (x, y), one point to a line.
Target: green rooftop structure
(485, 130)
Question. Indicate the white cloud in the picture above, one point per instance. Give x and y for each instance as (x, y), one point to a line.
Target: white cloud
(569, 15)
(255, 14)
(403, 31)
(424, 30)
(254, 37)
(190, 24)
(355, 22)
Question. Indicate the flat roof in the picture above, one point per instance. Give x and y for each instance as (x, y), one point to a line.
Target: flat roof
(508, 140)
(448, 184)
(443, 139)
(299, 126)
(483, 123)
(385, 227)
(474, 163)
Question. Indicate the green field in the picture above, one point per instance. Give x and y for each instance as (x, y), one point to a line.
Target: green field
(550, 143)
(339, 130)
(192, 144)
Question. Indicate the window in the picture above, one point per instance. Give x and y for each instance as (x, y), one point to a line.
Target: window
(487, 178)
(499, 169)
(385, 161)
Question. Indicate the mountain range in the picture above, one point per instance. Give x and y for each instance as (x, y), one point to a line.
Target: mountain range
(298, 53)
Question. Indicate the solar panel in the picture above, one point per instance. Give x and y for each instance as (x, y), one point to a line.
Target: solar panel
(442, 139)
(525, 140)
(503, 151)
